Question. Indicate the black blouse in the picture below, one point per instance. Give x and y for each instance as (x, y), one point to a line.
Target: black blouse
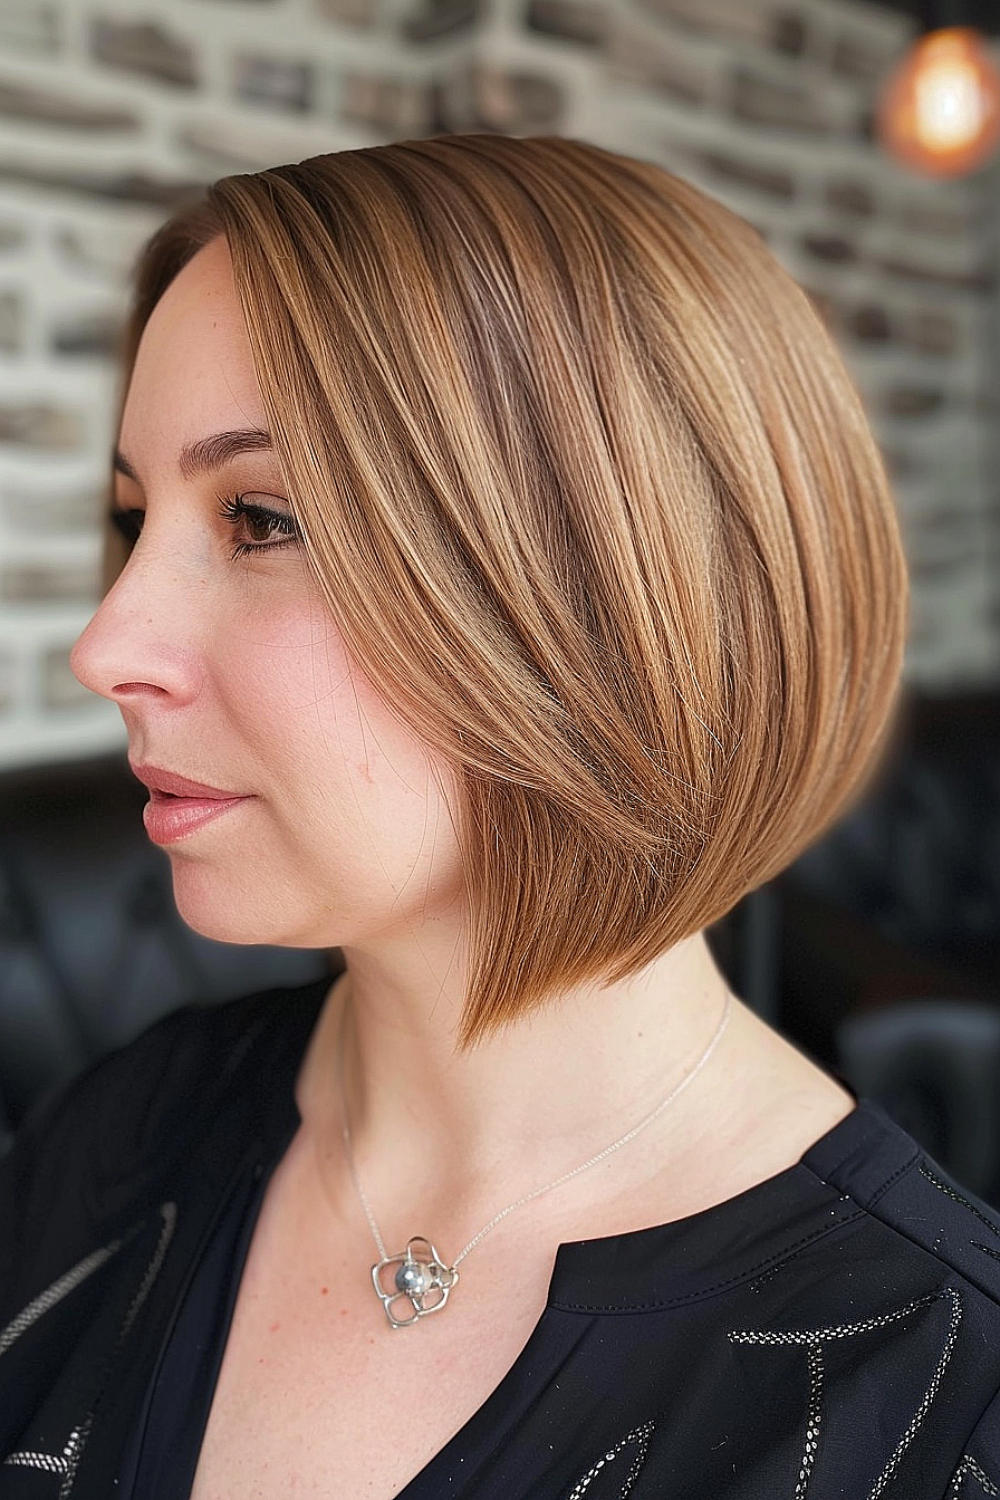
(832, 1332)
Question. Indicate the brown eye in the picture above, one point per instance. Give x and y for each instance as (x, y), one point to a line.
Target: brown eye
(263, 524)
(259, 526)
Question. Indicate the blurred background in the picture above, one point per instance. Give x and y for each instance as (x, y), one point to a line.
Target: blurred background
(879, 951)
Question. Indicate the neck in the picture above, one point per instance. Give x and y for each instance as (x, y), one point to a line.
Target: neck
(457, 1134)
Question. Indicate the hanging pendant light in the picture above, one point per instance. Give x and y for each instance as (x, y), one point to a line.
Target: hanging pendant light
(939, 111)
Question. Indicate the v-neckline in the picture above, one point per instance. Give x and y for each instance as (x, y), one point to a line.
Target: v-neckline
(589, 1278)
(707, 1251)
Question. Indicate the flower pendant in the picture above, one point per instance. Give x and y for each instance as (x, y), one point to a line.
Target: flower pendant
(417, 1280)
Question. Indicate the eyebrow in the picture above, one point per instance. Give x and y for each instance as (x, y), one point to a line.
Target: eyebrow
(208, 454)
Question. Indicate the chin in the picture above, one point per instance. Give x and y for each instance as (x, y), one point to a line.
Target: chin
(215, 908)
(221, 929)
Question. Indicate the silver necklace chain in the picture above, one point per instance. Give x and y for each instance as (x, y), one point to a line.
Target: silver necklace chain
(420, 1277)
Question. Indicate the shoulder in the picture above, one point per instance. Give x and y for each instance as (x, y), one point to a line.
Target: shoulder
(920, 1213)
(835, 1328)
(191, 1055)
(105, 1137)
(927, 1251)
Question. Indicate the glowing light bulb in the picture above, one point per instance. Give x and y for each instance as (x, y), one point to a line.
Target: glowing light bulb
(939, 111)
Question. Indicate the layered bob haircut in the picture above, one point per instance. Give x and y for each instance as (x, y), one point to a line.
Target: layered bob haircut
(593, 503)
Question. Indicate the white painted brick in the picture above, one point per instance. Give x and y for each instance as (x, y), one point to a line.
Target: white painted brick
(218, 143)
(9, 682)
(29, 739)
(57, 511)
(102, 249)
(34, 27)
(881, 28)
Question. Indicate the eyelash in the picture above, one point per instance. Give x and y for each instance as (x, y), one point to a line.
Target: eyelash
(232, 508)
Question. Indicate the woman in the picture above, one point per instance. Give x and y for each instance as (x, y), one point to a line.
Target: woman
(506, 583)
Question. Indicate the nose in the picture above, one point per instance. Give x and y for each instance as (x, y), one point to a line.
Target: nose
(136, 647)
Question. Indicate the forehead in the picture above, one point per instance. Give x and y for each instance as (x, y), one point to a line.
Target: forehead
(194, 372)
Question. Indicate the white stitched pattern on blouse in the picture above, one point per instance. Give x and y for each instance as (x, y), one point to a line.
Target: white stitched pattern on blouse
(815, 1416)
(640, 1436)
(67, 1463)
(969, 1466)
(168, 1212)
(814, 1338)
(943, 1187)
(55, 1293)
(44, 1461)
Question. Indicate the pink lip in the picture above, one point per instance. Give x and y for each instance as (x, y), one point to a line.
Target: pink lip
(177, 805)
(178, 786)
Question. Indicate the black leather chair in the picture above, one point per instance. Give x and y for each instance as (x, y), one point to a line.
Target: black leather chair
(934, 1066)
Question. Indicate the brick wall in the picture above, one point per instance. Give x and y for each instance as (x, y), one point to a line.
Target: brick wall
(113, 110)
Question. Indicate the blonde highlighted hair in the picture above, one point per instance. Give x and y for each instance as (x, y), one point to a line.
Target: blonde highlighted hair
(594, 505)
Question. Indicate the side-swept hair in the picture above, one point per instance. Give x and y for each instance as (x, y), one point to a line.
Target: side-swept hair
(592, 500)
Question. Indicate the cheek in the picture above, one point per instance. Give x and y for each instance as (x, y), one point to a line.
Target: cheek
(287, 662)
(344, 761)
(405, 794)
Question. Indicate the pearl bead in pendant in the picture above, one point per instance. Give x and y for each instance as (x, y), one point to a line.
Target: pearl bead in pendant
(413, 1278)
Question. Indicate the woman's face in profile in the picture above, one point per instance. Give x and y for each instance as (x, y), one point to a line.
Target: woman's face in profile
(227, 668)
